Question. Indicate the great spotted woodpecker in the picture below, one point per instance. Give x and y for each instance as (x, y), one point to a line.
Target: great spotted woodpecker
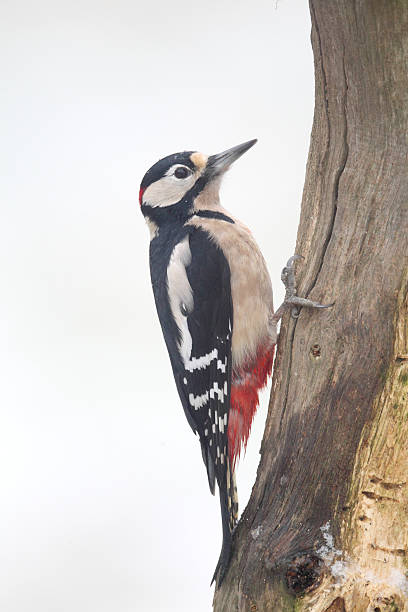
(214, 300)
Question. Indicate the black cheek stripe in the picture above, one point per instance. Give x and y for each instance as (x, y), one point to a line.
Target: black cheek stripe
(213, 214)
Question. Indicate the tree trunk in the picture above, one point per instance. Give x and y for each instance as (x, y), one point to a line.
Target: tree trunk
(326, 527)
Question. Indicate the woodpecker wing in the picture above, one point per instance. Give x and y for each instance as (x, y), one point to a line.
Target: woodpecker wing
(192, 292)
(193, 300)
(207, 372)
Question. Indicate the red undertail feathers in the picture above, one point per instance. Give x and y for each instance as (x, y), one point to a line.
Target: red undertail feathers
(245, 385)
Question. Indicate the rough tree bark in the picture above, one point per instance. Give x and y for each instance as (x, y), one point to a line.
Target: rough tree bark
(326, 527)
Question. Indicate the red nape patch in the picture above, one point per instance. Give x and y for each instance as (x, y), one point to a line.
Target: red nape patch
(141, 192)
(245, 386)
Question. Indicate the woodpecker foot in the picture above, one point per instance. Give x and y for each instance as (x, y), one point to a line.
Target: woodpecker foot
(291, 299)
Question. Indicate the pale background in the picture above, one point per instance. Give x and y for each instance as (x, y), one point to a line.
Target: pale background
(104, 502)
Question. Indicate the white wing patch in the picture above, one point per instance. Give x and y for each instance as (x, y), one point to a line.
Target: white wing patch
(181, 294)
(181, 303)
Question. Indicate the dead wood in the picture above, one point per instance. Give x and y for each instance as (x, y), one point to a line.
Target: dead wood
(326, 527)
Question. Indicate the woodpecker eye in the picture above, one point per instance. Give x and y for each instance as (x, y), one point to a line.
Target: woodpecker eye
(181, 173)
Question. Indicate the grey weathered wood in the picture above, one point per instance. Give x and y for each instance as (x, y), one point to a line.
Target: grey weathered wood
(335, 449)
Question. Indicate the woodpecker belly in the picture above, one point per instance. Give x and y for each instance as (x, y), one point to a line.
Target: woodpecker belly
(254, 333)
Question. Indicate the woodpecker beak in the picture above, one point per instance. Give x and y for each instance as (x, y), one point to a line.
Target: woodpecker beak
(218, 164)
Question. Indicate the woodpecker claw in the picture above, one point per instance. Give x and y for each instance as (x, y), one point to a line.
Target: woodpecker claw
(291, 299)
(292, 259)
(295, 313)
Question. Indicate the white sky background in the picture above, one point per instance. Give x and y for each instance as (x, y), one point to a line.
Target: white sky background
(104, 501)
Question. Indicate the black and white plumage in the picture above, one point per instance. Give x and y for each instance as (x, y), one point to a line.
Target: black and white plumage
(193, 300)
(214, 300)
(191, 279)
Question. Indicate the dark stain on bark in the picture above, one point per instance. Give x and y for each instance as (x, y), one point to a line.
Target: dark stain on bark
(304, 574)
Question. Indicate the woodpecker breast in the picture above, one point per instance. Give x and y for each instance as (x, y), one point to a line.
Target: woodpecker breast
(251, 287)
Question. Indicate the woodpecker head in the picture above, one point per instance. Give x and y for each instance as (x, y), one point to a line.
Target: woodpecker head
(182, 182)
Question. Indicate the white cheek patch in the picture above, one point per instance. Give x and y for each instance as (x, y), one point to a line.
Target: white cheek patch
(180, 293)
(167, 191)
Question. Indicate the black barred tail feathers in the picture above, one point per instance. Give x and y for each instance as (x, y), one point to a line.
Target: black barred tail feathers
(229, 514)
(209, 464)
